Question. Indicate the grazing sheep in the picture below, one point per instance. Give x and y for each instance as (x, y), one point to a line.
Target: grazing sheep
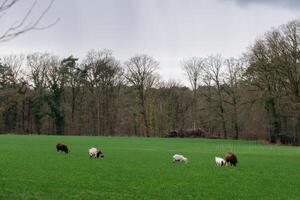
(231, 158)
(94, 152)
(62, 147)
(179, 158)
(220, 161)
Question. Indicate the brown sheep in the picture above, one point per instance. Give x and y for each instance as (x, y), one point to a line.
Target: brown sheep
(62, 147)
(231, 158)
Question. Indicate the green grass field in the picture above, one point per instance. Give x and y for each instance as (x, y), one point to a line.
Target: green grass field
(141, 168)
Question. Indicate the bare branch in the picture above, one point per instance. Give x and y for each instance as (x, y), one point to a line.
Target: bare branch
(18, 28)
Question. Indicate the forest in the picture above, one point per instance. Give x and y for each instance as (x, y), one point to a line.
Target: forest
(254, 96)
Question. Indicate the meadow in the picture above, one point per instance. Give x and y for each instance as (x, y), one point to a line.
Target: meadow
(141, 168)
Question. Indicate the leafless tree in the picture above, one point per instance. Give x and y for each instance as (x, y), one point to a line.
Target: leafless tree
(25, 23)
(13, 88)
(56, 77)
(103, 77)
(193, 69)
(141, 73)
(38, 64)
(233, 77)
(75, 76)
(15, 63)
(214, 72)
(262, 73)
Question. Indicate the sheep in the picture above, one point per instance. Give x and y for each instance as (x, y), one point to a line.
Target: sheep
(94, 152)
(62, 147)
(231, 158)
(179, 158)
(220, 161)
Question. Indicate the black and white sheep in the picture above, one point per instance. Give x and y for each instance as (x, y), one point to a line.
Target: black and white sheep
(94, 152)
(220, 161)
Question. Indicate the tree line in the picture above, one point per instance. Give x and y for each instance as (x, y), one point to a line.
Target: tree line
(255, 96)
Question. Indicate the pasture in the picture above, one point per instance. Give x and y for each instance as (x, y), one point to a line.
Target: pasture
(141, 168)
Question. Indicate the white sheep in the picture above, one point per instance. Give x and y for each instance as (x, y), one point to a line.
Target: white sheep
(179, 158)
(220, 161)
(94, 152)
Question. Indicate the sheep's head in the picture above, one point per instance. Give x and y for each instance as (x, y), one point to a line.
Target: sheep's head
(185, 160)
(223, 163)
(100, 154)
(65, 149)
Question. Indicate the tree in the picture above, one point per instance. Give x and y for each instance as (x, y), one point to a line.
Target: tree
(233, 78)
(214, 73)
(56, 80)
(103, 77)
(75, 77)
(207, 93)
(13, 89)
(291, 64)
(141, 74)
(24, 24)
(193, 69)
(262, 73)
(38, 64)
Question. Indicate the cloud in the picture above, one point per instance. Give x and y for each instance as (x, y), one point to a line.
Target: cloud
(291, 4)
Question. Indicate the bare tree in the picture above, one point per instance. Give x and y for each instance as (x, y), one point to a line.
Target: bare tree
(12, 94)
(56, 80)
(213, 70)
(74, 81)
(233, 76)
(25, 23)
(141, 73)
(262, 73)
(290, 67)
(15, 63)
(207, 93)
(103, 76)
(37, 63)
(193, 69)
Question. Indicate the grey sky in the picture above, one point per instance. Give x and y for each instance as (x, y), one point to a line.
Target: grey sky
(294, 4)
(168, 30)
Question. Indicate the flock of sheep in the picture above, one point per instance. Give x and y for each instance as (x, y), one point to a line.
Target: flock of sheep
(229, 158)
(94, 152)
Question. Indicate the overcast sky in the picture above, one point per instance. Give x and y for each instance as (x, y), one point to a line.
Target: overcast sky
(168, 30)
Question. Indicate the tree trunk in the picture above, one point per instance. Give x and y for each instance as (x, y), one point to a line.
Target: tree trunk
(144, 113)
(59, 124)
(73, 104)
(235, 119)
(274, 120)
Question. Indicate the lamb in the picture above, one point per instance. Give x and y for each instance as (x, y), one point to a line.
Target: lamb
(94, 152)
(179, 158)
(231, 158)
(220, 161)
(62, 148)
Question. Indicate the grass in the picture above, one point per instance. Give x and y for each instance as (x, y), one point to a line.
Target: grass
(141, 168)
